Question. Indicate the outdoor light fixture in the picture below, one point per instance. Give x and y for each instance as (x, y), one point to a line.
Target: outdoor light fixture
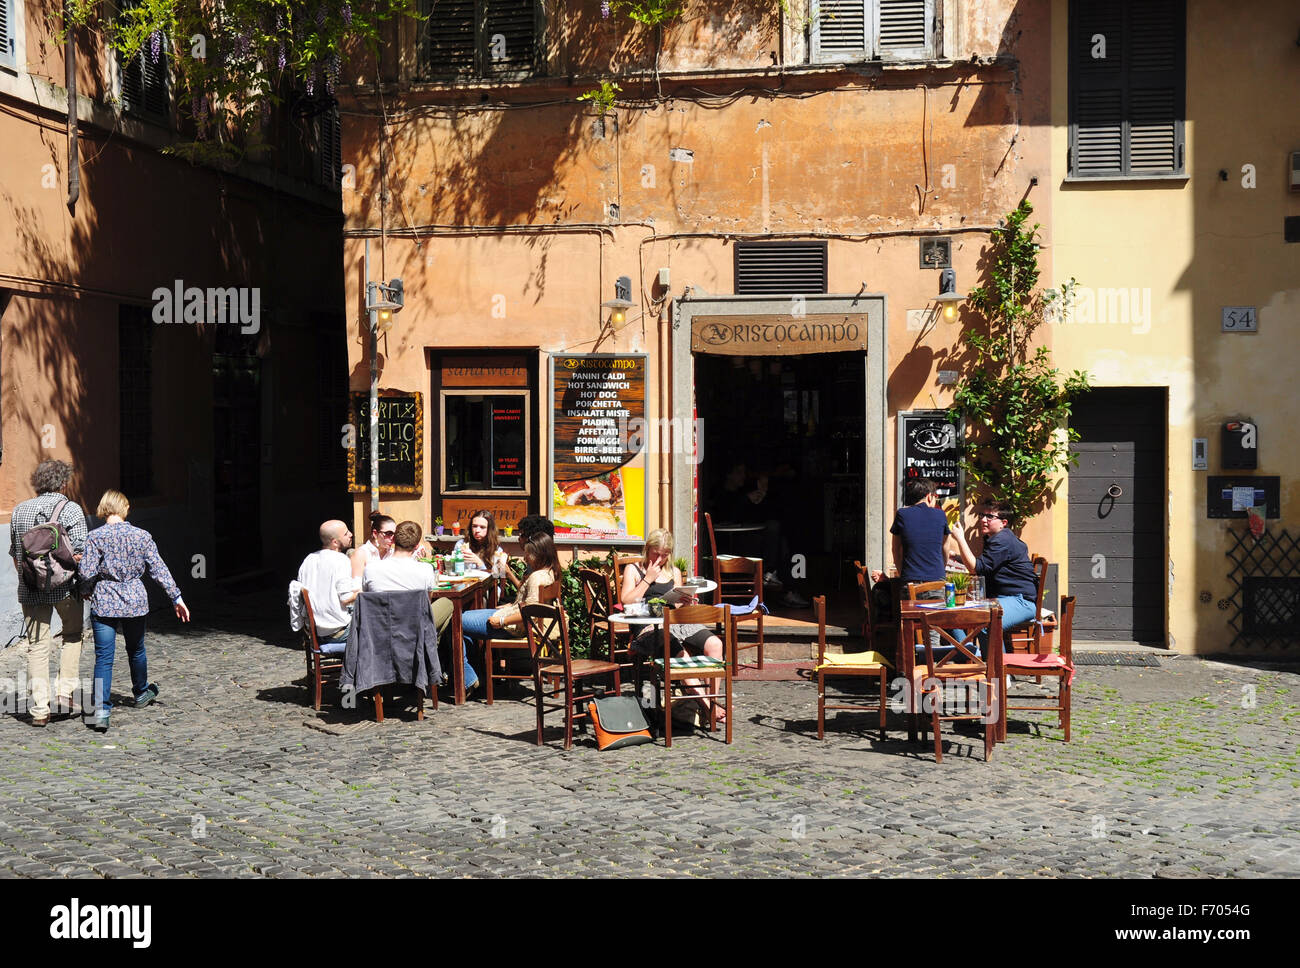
(384, 301)
(948, 296)
(621, 303)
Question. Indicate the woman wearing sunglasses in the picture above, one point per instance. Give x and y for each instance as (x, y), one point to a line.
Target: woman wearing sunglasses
(379, 547)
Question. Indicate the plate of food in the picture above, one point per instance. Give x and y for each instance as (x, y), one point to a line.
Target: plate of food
(589, 504)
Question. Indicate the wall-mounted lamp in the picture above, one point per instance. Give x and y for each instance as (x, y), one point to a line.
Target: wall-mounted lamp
(384, 301)
(621, 303)
(949, 297)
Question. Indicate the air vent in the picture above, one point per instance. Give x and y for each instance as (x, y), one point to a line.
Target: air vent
(780, 268)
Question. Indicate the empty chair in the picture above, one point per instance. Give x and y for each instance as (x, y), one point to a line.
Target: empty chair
(870, 664)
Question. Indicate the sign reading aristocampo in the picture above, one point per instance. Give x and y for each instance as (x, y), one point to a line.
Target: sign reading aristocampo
(779, 335)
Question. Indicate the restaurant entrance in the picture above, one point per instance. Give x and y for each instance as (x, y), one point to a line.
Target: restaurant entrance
(796, 423)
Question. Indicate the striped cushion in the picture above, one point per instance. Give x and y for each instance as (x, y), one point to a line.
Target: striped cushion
(693, 662)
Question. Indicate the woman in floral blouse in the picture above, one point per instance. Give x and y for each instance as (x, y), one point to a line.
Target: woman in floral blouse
(117, 555)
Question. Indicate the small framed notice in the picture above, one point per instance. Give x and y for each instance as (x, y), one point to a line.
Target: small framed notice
(1240, 319)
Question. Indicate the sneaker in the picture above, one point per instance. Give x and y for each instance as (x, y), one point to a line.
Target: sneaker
(100, 723)
(145, 698)
(65, 707)
(41, 720)
(793, 599)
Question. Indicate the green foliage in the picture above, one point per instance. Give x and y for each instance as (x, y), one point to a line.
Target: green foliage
(960, 580)
(652, 13)
(1015, 402)
(232, 61)
(680, 564)
(602, 97)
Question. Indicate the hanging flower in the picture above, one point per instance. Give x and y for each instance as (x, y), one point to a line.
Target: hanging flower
(604, 10)
(155, 45)
(346, 13)
(282, 59)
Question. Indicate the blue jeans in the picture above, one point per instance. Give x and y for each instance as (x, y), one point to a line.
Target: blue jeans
(474, 624)
(1017, 612)
(105, 630)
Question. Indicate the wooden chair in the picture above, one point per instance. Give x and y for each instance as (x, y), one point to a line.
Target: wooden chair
(1029, 639)
(1057, 664)
(857, 665)
(921, 591)
(319, 664)
(739, 581)
(668, 670)
(873, 626)
(548, 646)
(598, 597)
(493, 648)
(713, 555)
(959, 664)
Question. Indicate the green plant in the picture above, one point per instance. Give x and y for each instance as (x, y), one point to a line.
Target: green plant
(1014, 401)
(960, 581)
(652, 13)
(602, 97)
(438, 520)
(680, 564)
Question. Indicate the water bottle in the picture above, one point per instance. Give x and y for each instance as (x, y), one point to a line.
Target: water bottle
(950, 594)
(460, 561)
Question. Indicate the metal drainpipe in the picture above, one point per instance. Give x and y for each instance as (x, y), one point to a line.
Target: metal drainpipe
(665, 412)
(70, 82)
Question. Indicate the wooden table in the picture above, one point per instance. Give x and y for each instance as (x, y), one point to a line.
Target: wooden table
(460, 591)
(978, 613)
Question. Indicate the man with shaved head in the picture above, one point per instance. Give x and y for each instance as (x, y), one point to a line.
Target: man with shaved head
(327, 577)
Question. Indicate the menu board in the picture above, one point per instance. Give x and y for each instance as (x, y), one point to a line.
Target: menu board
(598, 461)
(929, 445)
(401, 442)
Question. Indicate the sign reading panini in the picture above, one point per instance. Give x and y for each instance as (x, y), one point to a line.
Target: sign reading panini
(779, 335)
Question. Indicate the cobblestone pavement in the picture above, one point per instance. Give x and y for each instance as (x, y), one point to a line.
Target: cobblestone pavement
(1183, 771)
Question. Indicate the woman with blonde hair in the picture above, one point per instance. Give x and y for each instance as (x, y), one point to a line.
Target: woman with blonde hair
(117, 556)
(653, 577)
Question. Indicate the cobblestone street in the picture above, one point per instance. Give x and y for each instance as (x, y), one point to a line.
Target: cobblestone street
(1183, 771)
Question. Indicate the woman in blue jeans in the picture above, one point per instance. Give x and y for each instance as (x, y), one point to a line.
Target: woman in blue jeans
(482, 623)
(117, 555)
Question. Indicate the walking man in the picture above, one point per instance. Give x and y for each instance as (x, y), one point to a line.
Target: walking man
(39, 603)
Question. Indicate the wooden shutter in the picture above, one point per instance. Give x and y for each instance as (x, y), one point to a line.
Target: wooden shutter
(904, 29)
(1126, 108)
(509, 39)
(449, 38)
(839, 31)
(8, 42)
(780, 268)
(330, 148)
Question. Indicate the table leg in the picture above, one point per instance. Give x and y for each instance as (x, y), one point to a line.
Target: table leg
(457, 655)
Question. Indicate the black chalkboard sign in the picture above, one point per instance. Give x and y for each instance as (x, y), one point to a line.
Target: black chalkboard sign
(401, 442)
(929, 445)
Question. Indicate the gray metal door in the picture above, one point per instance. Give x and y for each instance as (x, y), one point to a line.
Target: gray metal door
(1117, 515)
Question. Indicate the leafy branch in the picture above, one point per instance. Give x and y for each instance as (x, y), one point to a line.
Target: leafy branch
(1015, 401)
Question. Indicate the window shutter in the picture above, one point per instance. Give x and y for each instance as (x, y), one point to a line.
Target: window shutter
(1126, 108)
(8, 53)
(839, 31)
(155, 83)
(780, 268)
(509, 37)
(449, 37)
(330, 148)
(904, 29)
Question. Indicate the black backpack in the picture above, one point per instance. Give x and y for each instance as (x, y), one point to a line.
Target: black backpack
(47, 562)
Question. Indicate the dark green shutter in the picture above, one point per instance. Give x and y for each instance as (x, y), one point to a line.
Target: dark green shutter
(449, 38)
(1126, 109)
(458, 38)
(330, 148)
(514, 22)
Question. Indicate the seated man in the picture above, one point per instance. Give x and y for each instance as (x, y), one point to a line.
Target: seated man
(921, 535)
(327, 576)
(1008, 572)
(402, 572)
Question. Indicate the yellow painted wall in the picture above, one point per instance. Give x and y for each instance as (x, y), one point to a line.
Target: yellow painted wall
(1198, 244)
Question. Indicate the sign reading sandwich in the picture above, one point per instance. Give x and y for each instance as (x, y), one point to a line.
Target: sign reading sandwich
(598, 477)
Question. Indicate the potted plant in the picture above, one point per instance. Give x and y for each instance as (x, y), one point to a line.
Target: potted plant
(961, 585)
(437, 525)
(455, 528)
(508, 530)
(680, 565)
(656, 606)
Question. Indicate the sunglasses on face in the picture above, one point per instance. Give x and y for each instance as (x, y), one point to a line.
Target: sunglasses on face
(991, 517)
(387, 534)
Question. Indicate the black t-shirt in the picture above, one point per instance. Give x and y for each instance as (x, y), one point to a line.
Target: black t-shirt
(1006, 566)
(922, 529)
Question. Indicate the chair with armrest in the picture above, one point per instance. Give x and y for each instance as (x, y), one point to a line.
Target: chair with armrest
(934, 682)
(321, 665)
(1056, 664)
(688, 668)
(868, 664)
(547, 636)
(496, 650)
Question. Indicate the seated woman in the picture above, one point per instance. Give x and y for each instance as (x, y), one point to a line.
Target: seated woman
(482, 549)
(506, 622)
(652, 578)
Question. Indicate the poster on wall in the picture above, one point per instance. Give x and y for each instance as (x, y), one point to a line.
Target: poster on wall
(401, 442)
(929, 445)
(598, 454)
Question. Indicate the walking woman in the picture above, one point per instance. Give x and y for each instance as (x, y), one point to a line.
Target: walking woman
(117, 555)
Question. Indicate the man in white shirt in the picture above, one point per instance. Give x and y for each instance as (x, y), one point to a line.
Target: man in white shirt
(327, 576)
(402, 572)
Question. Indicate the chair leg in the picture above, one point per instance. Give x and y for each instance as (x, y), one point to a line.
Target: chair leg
(731, 709)
(379, 704)
(419, 705)
(568, 713)
(882, 704)
(667, 705)
(821, 705)
(938, 733)
(1063, 698)
(537, 692)
(760, 641)
(491, 668)
(319, 685)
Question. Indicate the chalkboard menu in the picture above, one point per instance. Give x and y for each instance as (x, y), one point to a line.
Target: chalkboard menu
(929, 445)
(401, 442)
(597, 447)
